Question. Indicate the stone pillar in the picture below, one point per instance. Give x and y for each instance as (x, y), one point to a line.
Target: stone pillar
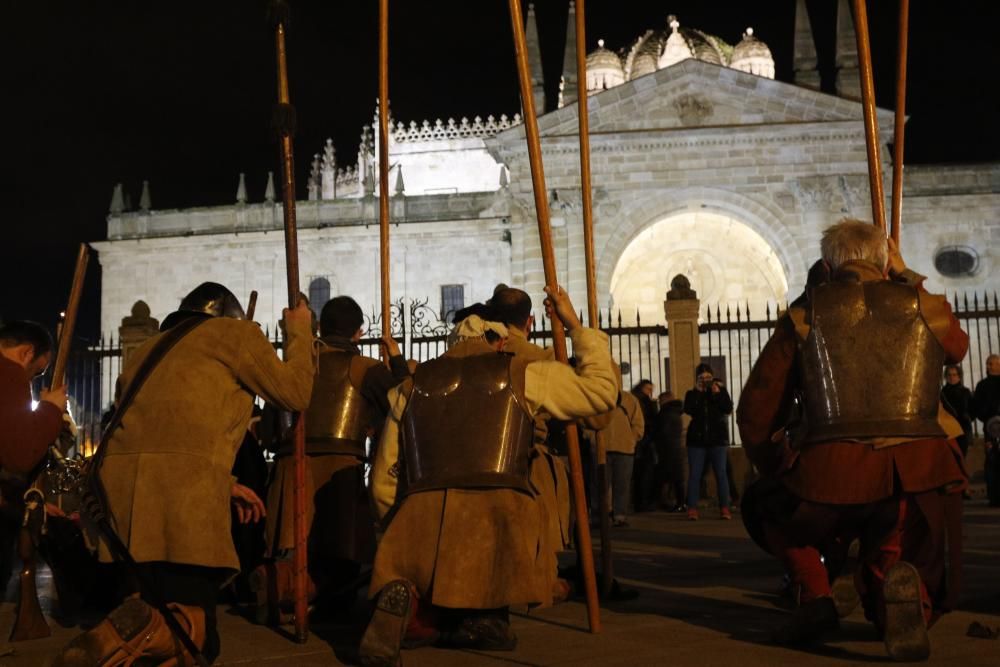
(136, 329)
(681, 309)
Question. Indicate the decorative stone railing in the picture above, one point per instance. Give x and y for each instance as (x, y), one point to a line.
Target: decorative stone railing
(453, 129)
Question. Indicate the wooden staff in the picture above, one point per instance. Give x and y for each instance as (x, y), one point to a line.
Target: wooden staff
(383, 161)
(252, 305)
(284, 116)
(69, 319)
(558, 333)
(604, 489)
(871, 120)
(900, 123)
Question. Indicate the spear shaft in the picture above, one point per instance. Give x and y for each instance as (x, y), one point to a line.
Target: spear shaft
(584, 546)
(285, 114)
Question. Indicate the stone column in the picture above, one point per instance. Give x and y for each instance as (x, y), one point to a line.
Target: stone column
(681, 309)
(136, 329)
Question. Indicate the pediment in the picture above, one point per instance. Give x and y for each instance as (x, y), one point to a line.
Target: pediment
(694, 94)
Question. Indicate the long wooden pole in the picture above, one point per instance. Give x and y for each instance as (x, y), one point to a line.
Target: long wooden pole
(588, 204)
(299, 563)
(558, 333)
(900, 122)
(871, 120)
(604, 489)
(383, 162)
(69, 317)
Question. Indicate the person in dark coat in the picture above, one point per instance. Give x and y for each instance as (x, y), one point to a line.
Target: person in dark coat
(957, 400)
(986, 405)
(667, 431)
(709, 406)
(644, 485)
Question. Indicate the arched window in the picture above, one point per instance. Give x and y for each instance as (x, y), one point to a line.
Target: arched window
(956, 261)
(319, 294)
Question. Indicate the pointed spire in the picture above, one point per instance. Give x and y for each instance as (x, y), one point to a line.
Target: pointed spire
(399, 180)
(535, 60)
(314, 177)
(269, 190)
(569, 82)
(804, 59)
(117, 200)
(145, 201)
(504, 181)
(848, 76)
(328, 171)
(241, 190)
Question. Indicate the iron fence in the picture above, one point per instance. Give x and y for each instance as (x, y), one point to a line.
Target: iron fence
(731, 339)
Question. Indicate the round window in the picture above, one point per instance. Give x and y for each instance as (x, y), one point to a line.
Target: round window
(956, 261)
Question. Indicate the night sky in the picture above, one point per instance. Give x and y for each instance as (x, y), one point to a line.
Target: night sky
(180, 93)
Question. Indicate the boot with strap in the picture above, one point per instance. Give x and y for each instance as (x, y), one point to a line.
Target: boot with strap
(132, 634)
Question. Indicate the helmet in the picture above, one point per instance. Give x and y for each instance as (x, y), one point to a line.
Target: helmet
(212, 299)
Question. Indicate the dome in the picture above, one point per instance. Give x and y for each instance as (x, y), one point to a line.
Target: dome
(685, 43)
(604, 69)
(752, 56)
(676, 49)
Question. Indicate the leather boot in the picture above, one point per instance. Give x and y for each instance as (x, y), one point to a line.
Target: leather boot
(906, 637)
(384, 634)
(132, 632)
(273, 584)
(809, 623)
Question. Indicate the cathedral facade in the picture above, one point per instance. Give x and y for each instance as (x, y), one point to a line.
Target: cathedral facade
(702, 164)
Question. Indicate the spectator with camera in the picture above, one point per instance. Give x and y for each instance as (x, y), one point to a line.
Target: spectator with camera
(709, 406)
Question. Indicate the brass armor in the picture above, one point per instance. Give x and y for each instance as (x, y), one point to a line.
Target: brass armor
(870, 366)
(338, 416)
(464, 427)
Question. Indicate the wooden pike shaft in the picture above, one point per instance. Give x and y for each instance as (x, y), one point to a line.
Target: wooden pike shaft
(252, 305)
(69, 319)
(383, 162)
(585, 187)
(871, 120)
(584, 547)
(299, 563)
(900, 122)
(604, 489)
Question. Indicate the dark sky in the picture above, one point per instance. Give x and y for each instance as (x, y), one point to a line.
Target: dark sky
(180, 93)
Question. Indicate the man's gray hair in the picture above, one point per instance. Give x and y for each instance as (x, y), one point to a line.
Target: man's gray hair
(854, 240)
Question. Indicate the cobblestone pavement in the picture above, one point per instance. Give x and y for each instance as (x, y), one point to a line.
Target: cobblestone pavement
(708, 596)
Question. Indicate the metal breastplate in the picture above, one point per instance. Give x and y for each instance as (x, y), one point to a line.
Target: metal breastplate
(464, 427)
(870, 365)
(338, 416)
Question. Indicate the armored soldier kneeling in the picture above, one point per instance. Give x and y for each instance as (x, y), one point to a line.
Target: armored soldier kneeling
(465, 533)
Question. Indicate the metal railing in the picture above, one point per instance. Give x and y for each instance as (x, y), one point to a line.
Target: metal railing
(732, 337)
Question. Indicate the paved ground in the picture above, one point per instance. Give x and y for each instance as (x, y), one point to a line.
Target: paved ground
(708, 597)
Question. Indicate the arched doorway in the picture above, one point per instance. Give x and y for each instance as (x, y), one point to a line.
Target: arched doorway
(727, 262)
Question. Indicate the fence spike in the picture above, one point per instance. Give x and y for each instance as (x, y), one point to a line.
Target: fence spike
(619, 318)
(975, 301)
(746, 305)
(729, 317)
(767, 311)
(600, 319)
(965, 298)
(638, 321)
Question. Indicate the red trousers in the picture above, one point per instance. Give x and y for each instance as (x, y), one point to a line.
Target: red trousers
(907, 527)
